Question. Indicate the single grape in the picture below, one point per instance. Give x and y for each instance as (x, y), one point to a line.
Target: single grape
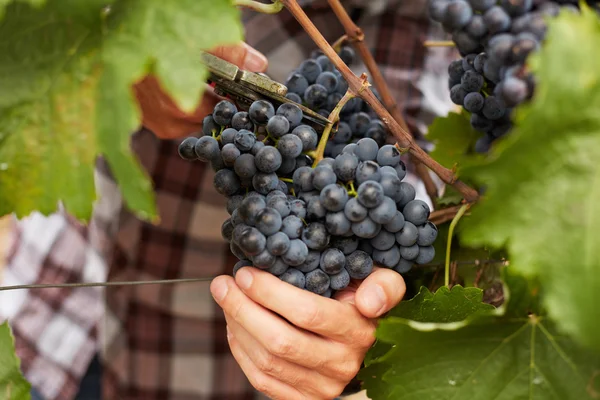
(224, 112)
(525, 43)
(328, 80)
(244, 140)
(384, 240)
(427, 234)
(476, 28)
(268, 221)
(226, 182)
(340, 280)
(252, 242)
(326, 162)
(407, 192)
(292, 113)
(409, 253)
(264, 260)
(316, 96)
(290, 146)
(514, 91)
(408, 235)
(426, 255)
(388, 155)
(228, 136)
(359, 123)
(403, 266)
(292, 226)
(354, 211)
(230, 153)
(281, 205)
(303, 178)
(265, 183)
(472, 81)
(278, 243)
(317, 281)
(334, 197)
(298, 208)
(346, 245)
(279, 267)
(347, 55)
(343, 134)
(268, 159)
(311, 263)
(367, 171)
(349, 149)
(249, 209)
(474, 102)
(207, 148)
(209, 126)
(391, 184)
(278, 126)
(500, 49)
(479, 62)
(333, 261)
(458, 14)
(323, 176)
(236, 220)
(227, 230)
(260, 112)
(516, 7)
(359, 265)
(366, 229)
(497, 20)
(493, 108)
(458, 94)
(296, 254)
(186, 149)
(388, 258)
(332, 100)
(385, 212)
(296, 83)
(294, 277)
(308, 196)
(370, 194)
(294, 97)
(308, 136)
(325, 64)
(480, 123)
(345, 166)
(337, 223)
(234, 202)
(396, 224)
(484, 144)
(315, 236)
(244, 166)
(311, 70)
(288, 165)
(466, 43)
(315, 209)
(366, 149)
(241, 120)
(236, 251)
(437, 10)
(400, 170)
(417, 212)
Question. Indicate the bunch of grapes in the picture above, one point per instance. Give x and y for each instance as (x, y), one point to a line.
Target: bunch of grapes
(495, 38)
(318, 85)
(314, 226)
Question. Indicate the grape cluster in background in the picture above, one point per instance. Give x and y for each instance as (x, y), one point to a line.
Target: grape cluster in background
(315, 225)
(494, 39)
(318, 85)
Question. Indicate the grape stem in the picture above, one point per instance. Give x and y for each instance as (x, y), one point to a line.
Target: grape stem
(457, 217)
(355, 86)
(334, 116)
(356, 36)
(337, 45)
(287, 180)
(438, 43)
(272, 8)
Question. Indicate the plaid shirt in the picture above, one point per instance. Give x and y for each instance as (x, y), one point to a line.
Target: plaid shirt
(168, 341)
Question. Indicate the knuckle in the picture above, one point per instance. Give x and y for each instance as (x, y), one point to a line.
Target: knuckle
(309, 317)
(260, 383)
(332, 391)
(280, 346)
(348, 369)
(266, 362)
(365, 337)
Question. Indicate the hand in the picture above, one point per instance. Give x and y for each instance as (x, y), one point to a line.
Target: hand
(295, 345)
(161, 115)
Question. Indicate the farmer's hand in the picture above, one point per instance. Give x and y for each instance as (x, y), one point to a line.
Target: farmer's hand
(161, 115)
(293, 344)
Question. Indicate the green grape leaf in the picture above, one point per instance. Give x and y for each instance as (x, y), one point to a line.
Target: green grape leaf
(443, 306)
(515, 356)
(66, 99)
(13, 386)
(543, 181)
(452, 136)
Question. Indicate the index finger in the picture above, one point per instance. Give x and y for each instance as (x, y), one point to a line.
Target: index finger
(326, 317)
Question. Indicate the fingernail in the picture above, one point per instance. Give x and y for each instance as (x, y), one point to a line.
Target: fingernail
(374, 299)
(219, 290)
(255, 61)
(244, 278)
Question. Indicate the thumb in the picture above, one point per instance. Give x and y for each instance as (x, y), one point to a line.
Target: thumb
(379, 292)
(242, 55)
